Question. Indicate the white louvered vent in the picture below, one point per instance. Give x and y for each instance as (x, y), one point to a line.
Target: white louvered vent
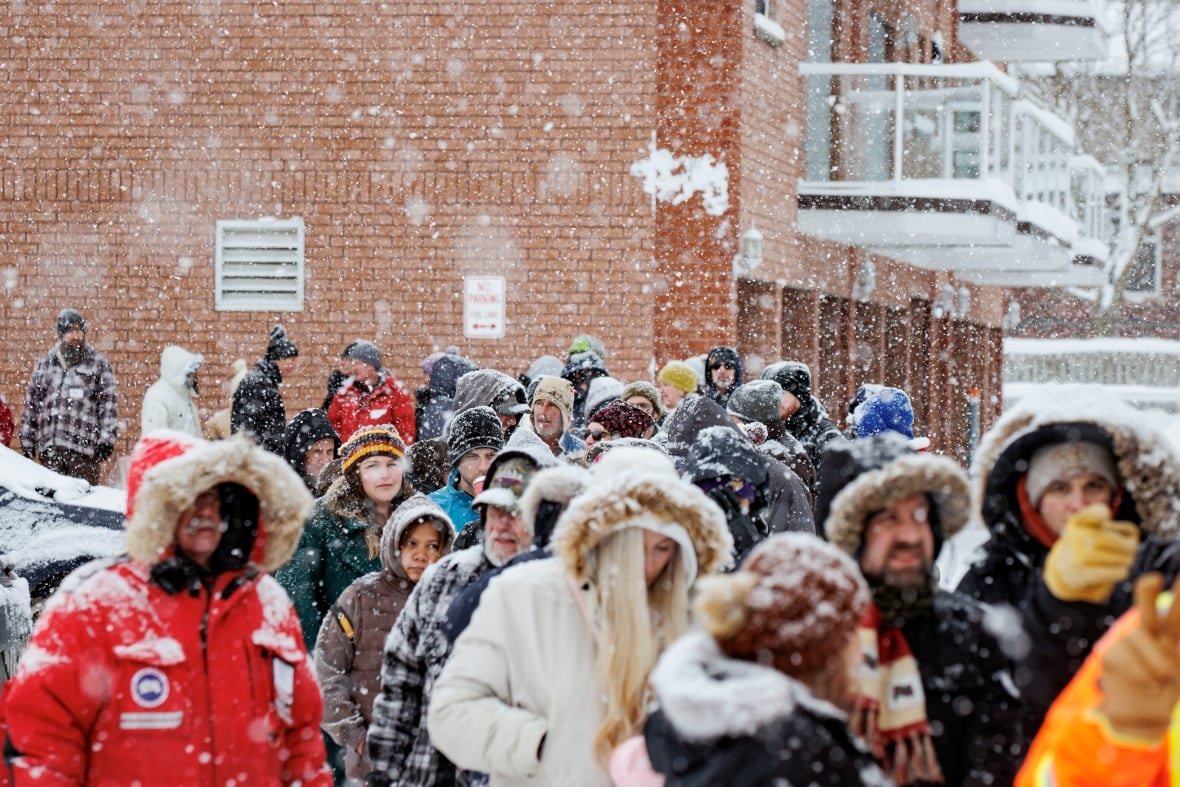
(259, 265)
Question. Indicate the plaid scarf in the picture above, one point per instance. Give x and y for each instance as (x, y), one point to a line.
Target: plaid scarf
(889, 709)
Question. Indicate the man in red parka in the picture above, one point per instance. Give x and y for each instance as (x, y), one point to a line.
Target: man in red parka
(371, 396)
(182, 662)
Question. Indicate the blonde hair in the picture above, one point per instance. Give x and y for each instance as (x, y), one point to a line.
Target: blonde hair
(631, 637)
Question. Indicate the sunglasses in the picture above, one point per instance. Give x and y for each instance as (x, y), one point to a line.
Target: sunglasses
(595, 434)
(724, 365)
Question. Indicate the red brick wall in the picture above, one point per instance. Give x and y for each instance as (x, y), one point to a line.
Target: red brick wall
(506, 129)
(700, 112)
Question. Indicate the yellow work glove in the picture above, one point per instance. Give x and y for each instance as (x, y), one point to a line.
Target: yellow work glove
(1141, 672)
(1092, 555)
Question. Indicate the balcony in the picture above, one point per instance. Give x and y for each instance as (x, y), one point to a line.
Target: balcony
(1014, 31)
(971, 179)
(891, 144)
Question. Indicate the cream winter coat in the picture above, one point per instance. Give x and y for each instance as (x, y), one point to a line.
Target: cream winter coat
(523, 670)
(168, 403)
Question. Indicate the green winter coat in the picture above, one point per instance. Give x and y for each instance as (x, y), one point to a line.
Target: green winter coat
(332, 553)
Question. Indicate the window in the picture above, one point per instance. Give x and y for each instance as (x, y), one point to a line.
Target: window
(259, 265)
(766, 28)
(818, 139)
(1143, 281)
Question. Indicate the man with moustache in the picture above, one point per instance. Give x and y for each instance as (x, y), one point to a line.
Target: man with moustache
(936, 700)
(182, 661)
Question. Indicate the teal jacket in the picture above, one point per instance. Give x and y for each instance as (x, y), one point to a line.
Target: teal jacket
(455, 502)
(331, 555)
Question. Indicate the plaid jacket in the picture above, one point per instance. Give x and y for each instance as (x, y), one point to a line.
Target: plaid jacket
(415, 652)
(72, 408)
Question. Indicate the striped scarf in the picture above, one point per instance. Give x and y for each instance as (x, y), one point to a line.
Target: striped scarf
(889, 708)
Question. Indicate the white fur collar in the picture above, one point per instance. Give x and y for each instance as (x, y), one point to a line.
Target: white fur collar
(707, 695)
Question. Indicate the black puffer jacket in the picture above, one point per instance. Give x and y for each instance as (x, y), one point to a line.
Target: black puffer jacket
(972, 704)
(729, 723)
(258, 407)
(1057, 635)
(306, 428)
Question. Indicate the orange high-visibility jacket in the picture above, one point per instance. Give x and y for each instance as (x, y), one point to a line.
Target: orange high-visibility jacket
(1076, 746)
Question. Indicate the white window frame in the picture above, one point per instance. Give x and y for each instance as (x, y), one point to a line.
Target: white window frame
(276, 247)
(765, 27)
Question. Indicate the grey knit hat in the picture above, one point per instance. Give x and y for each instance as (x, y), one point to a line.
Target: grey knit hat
(365, 351)
(759, 401)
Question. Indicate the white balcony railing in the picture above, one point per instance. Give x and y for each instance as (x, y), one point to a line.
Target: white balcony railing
(911, 159)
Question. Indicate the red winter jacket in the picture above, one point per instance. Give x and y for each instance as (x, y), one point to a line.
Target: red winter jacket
(124, 682)
(121, 684)
(388, 403)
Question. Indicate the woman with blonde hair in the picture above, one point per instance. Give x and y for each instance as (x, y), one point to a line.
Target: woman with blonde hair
(551, 674)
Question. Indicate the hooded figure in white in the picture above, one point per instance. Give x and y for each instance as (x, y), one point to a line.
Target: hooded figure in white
(168, 403)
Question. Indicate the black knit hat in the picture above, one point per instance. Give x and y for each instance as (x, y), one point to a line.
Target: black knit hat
(793, 376)
(278, 346)
(478, 427)
(67, 319)
(365, 351)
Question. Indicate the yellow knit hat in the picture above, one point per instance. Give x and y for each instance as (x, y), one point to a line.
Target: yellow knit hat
(680, 375)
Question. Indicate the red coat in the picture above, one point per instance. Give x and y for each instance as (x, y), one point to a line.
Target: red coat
(7, 426)
(124, 683)
(388, 403)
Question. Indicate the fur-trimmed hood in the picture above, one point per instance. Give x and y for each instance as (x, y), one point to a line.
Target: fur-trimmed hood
(861, 477)
(707, 695)
(1146, 462)
(413, 510)
(169, 470)
(631, 486)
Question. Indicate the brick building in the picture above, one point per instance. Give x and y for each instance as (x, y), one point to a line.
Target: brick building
(403, 146)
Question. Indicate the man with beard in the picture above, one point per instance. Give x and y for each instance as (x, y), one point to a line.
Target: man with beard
(416, 650)
(936, 700)
(552, 414)
(69, 418)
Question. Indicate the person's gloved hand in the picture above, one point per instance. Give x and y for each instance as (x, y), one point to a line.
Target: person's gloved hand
(1093, 554)
(103, 451)
(741, 527)
(1141, 672)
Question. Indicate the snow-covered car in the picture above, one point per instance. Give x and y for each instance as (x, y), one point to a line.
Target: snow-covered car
(50, 524)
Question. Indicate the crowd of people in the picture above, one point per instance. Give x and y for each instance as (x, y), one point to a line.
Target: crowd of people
(564, 578)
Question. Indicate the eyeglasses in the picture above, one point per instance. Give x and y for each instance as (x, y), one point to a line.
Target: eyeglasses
(725, 364)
